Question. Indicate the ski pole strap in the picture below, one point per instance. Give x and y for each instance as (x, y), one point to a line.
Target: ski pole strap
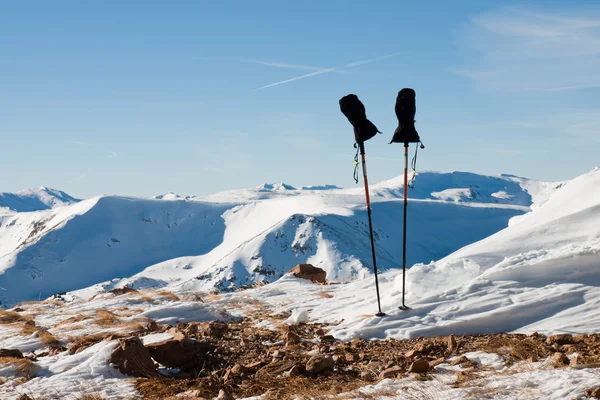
(356, 164)
(413, 165)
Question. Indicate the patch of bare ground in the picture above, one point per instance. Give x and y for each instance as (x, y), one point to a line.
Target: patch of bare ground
(249, 361)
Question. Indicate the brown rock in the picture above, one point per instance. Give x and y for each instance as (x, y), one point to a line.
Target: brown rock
(217, 329)
(559, 360)
(176, 352)
(560, 339)
(390, 373)
(224, 395)
(435, 363)
(132, 358)
(419, 366)
(30, 323)
(459, 360)
(319, 364)
(351, 357)
(12, 353)
(452, 345)
(594, 392)
(151, 326)
(187, 395)
(278, 354)
(410, 354)
(123, 290)
(292, 338)
(577, 361)
(423, 347)
(310, 272)
(24, 397)
(327, 338)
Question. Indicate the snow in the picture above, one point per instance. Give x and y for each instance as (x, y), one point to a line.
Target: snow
(538, 274)
(238, 238)
(35, 200)
(182, 312)
(87, 372)
(299, 316)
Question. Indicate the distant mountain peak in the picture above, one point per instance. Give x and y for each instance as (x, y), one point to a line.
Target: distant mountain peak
(275, 187)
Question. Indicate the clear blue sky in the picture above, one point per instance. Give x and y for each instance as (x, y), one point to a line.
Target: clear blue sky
(144, 97)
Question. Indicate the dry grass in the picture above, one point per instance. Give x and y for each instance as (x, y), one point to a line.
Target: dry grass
(213, 297)
(47, 338)
(72, 320)
(24, 367)
(132, 326)
(325, 295)
(169, 295)
(105, 318)
(28, 329)
(147, 299)
(83, 342)
(9, 317)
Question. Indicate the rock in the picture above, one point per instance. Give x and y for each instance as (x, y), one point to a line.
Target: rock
(419, 366)
(320, 332)
(459, 360)
(367, 376)
(434, 363)
(568, 348)
(310, 272)
(328, 338)
(151, 326)
(224, 395)
(423, 347)
(560, 339)
(24, 397)
(12, 353)
(390, 373)
(30, 323)
(319, 364)
(351, 357)
(217, 329)
(123, 290)
(176, 352)
(594, 392)
(577, 361)
(452, 345)
(132, 358)
(559, 360)
(410, 354)
(292, 338)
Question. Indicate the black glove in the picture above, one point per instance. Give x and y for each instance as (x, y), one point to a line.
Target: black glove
(405, 111)
(355, 111)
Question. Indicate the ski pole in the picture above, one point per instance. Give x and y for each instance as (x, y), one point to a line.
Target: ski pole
(366, 181)
(403, 306)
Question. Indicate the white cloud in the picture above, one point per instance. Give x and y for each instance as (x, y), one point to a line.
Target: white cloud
(518, 50)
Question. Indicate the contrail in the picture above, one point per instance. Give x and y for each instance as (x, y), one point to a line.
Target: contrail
(327, 70)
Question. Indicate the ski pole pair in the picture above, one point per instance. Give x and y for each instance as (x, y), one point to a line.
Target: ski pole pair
(406, 133)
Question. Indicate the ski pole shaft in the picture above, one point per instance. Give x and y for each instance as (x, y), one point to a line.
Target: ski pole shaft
(404, 230)
(366, 181)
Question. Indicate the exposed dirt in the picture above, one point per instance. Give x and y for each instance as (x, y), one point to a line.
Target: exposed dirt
(248, 361)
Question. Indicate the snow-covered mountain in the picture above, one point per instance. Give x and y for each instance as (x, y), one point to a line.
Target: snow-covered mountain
(237, 238)
(42, 198)
(541, 273)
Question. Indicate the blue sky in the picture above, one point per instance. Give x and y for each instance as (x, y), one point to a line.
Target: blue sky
(144, 97)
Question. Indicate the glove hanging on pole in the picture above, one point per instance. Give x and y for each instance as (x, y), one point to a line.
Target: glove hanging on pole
(405, 111)
(364, 130)
(406, 133)
(355, 111)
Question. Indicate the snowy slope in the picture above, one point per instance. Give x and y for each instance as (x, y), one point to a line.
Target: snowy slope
(242, 237)
(45, 252)
(34, 200)
(542, 273)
